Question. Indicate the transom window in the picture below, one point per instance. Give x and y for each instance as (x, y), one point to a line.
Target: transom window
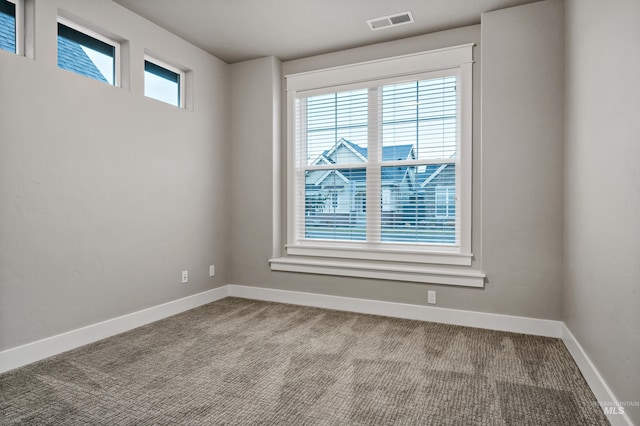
(11, 22)
(87, 53)
(163, 82)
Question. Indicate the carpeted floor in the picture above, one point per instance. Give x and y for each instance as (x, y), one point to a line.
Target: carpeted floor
(238, 361)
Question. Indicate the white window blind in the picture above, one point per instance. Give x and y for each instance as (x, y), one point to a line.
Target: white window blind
(370, 157)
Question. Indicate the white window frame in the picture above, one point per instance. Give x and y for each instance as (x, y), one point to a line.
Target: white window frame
(181, 74)
(116, 54)
(20, 23)
(405, 262)
(447, 206)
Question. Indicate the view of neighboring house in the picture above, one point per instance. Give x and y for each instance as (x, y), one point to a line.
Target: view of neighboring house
(7, 29)
(412, 197)
(71, 56)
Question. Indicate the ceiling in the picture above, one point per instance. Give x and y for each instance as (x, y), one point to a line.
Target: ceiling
(238, 30)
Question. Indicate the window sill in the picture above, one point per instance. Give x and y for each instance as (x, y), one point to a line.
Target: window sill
(384, 270)
(382, 253)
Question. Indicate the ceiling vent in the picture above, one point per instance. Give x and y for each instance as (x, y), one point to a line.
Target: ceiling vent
(390, 21)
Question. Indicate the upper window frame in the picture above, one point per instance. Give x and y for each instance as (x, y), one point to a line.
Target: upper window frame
(181, 75)
(354, 260)
(117, 68)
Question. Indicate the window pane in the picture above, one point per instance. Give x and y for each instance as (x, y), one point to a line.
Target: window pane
(85, 55)
(421, 117)
(7, 26)
(417, 121)
(161, 84)
(332, 118)
(418, 204)
(335, 204)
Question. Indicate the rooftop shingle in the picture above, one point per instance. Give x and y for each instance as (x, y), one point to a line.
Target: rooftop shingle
(7, 31)
(71, 57)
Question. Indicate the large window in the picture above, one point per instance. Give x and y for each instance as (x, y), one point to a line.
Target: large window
(406, 135)
(11, 22)
(163, 82)
(87, 53)
(412, 152)
(380, 167)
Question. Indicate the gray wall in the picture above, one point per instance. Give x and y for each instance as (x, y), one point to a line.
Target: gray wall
(602, 178)
(255, 121)
(530, 284)
(522, 154)
(105, 195)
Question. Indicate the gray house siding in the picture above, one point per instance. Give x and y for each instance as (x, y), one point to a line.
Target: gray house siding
(420, 197)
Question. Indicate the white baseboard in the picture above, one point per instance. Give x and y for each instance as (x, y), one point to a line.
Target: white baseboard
(597, 384)
(539, 327)
(35, 351)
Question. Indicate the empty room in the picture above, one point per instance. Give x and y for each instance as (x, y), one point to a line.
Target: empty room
(363, 212)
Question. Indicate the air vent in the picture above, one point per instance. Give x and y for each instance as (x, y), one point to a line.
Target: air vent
(390, 21)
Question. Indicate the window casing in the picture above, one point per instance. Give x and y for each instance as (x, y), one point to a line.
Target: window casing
(88, 53)
(12, 26)
(163, 82)
(372, 141)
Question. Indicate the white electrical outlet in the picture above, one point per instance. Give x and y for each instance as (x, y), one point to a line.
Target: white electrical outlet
(185, 277)
(431, 297)
(212, 270)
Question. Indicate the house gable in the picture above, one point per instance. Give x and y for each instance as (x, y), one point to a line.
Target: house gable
(329, 173)
(398, 152)
(346, 152)
(430, 175)
(71, 57)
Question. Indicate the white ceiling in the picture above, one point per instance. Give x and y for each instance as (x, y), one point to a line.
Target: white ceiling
(238, 30)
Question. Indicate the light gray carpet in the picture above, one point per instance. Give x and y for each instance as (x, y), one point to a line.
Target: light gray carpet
(243, 362)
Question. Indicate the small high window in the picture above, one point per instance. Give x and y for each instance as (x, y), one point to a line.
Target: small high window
(87, 53)
(163, 82)
(11, 25)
